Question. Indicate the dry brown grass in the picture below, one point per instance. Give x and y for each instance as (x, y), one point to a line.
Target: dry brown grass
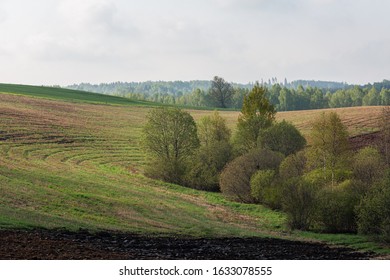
(359, 120)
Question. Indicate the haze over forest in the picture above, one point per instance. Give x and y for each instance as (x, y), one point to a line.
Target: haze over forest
(284, 95)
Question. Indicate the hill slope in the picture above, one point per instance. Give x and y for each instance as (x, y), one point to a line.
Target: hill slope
(67, 94)
(359, 120)
(77, 164)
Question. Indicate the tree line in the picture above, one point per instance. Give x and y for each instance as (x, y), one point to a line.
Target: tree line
(322, 187)
(218, 93)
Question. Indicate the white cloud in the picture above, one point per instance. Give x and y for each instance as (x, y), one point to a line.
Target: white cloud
(242, 40)
(3, 16)
(258, 5)
(83, 31)
(90, 15)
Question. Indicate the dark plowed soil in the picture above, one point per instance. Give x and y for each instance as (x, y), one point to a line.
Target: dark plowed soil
(364, 140)
(64, 245)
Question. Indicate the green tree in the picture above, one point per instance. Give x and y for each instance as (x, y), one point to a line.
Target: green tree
(286, 100)
(328, 96)
(260, 181)
(283, 137)
(372, 98)
(213, 129)
(330, 145)
(384, 124)
(221, 92)
(385, 97)
(265, 188)
(257, 114)
(302, 98)
(299, 201)
(335, 207)
(238, 97)
(356, 96)
(373, 213)
(317, 99)
(211, 157)
(293, 166)
(206, 165)
(368, 165)
(198, 98)
(274, 93)
(340, 98)
(235, 177)
(170, 138)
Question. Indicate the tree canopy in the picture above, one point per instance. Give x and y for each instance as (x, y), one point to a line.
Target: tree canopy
(214, 152)
(170, 137)
(257, 114)
(212, 129)
(283, 137)
(329, 144)
(296, 95)
(221, 92)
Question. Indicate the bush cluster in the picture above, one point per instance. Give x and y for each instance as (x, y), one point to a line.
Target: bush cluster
(235, 180)
(323, 187)
(373, 213)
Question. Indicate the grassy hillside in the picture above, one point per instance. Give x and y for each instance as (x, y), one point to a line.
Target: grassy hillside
(68, 95)
(77, 164)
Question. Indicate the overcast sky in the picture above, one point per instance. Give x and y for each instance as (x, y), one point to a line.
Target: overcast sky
(71, 41)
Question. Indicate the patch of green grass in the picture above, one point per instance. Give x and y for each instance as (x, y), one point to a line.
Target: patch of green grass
(11, 218)
(355, 241)
(69, 95)
(266, 218)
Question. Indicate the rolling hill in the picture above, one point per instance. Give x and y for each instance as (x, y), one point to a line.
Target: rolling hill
(70, 159)
(57, 93)
(67, 164)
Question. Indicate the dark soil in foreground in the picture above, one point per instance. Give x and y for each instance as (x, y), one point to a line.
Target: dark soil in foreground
(64, 245)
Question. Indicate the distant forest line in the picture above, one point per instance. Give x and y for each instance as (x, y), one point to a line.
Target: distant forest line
(285, 96)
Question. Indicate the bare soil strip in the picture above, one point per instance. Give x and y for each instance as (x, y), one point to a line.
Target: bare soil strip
(364, 140)
(65, 245)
